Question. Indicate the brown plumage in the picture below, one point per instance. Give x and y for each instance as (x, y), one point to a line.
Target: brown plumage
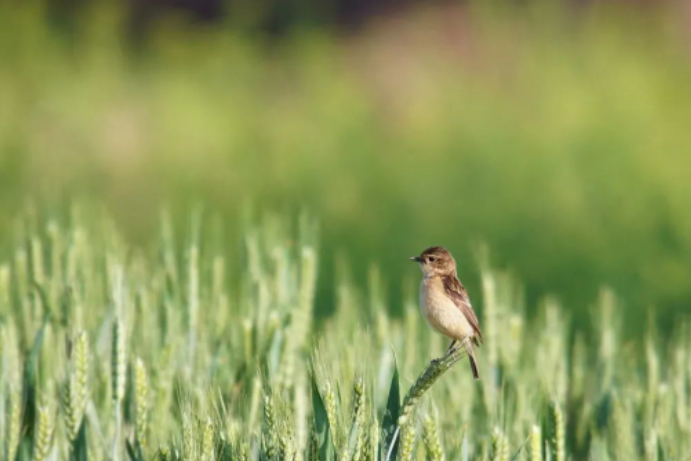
(444, 301)
(457, 292)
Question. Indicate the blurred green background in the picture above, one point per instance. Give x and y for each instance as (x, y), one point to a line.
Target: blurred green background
(558, 133)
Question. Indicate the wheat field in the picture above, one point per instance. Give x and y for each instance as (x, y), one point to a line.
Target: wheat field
(111, 352)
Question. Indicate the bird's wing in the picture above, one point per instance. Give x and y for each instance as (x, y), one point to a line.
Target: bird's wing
(458, 294)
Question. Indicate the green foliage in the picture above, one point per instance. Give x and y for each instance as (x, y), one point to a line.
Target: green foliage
(322, 428)
(558, 136)
(247, 373)
(393, 409)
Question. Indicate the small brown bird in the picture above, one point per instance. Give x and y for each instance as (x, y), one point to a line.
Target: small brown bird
(445, 304)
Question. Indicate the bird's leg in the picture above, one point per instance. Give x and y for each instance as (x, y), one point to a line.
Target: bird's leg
(446, 355)
(451, 348)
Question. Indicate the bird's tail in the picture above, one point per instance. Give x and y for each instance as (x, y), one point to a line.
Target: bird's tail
(473, 362)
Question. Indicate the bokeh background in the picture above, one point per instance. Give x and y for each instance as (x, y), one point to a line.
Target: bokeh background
(558, 133)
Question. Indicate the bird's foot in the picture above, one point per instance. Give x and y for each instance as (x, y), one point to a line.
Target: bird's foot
(457, 346)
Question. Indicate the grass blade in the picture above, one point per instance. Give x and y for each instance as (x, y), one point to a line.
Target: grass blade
(393, 409)
(321, 422)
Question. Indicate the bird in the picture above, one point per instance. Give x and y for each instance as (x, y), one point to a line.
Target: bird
(445, 304)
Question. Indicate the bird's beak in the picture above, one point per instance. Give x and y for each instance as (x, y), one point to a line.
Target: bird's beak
(417, 259)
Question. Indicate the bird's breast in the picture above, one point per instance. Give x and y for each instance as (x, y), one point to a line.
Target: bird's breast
(440, 311)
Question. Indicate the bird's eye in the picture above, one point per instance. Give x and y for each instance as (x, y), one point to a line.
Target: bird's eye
(432, 259)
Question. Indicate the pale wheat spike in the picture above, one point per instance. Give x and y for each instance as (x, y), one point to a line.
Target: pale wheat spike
(75, 390)
(430, 437)
(118, 375)
(118, 363)
(559, 441)
(208, 440)
(13, 422)
(535, 445)
(43, 435)
(81, 368)
(141, 396)
(405, 452)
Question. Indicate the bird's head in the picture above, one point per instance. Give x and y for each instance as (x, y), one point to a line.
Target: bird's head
(436, 261)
